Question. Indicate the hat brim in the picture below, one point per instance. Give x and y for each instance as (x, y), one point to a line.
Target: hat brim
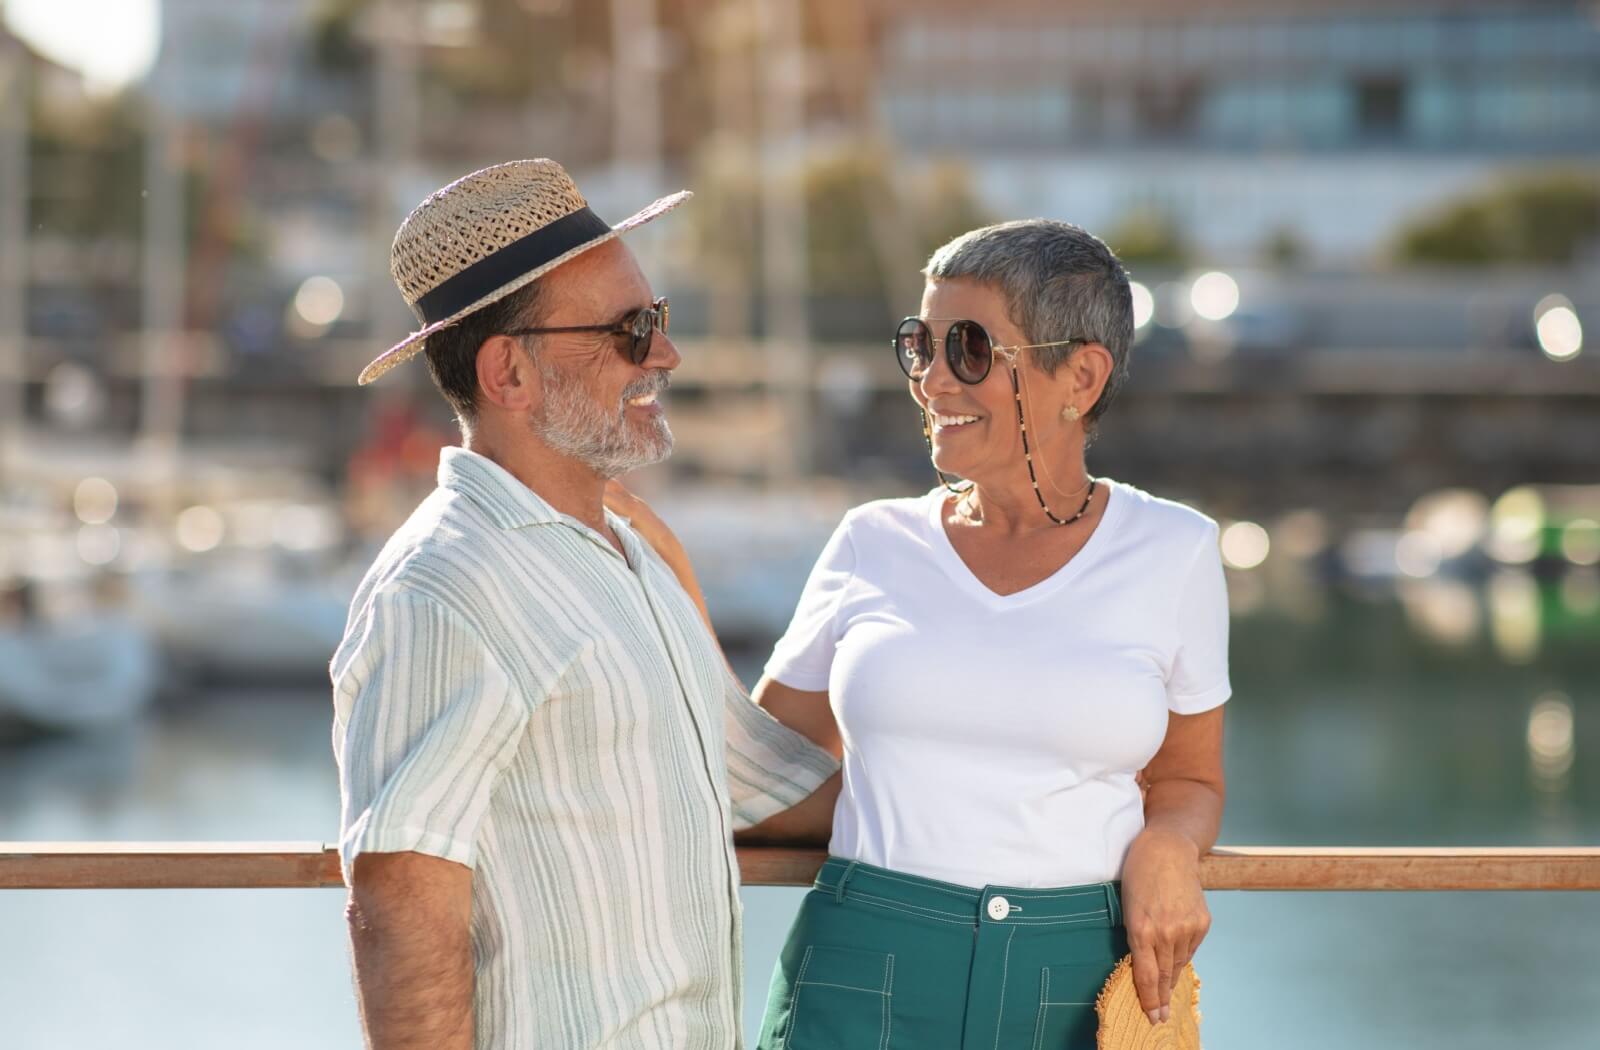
(416, 342)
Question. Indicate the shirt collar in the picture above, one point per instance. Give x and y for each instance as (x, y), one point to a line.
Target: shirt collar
(512, 505)
(509, 503)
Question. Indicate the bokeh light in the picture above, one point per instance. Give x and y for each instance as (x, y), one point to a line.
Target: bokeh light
(1417, 554)
(1514, 617)
(1558, 328)
(200, 529)
(1516, 526)
(1245, 545)
(94, 501)
(98, 544)
(1455, 519)
(319, 301)
(1551, 743)
(1144, 304)
(1580, 591)
(73, 395)
(1443, 610)
(1215, 296)
(1580, 541)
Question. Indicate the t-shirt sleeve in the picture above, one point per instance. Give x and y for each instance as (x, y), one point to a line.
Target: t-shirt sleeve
(804, 655)
(433, 722)
(1199, 677)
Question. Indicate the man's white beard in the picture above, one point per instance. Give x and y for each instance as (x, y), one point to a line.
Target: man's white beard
(573, 423)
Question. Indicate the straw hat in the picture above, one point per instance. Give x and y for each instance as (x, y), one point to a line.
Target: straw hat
(1125, 1026)
(486, 235)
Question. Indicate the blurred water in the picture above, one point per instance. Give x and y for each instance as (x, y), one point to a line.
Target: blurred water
(1347, 727)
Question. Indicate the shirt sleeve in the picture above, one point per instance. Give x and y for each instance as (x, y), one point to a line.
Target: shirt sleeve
(804, 655)
(770, 766)
(1199, 677)
(433, 722)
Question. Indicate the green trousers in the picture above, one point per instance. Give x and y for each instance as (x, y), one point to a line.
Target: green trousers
(878, 959)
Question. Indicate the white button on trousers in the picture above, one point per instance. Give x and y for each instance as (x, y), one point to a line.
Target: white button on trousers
(999, 908)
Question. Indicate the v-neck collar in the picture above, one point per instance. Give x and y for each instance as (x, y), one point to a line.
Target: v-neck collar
(956, 567)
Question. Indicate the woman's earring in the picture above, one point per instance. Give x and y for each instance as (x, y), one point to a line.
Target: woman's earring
(1071, 413)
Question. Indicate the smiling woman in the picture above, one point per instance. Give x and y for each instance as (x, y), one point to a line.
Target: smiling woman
(110, 44)
(1024, 803)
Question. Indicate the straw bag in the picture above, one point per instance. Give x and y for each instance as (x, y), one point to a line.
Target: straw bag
(1125, 1026)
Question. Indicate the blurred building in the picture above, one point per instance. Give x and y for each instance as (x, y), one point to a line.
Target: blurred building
(287, 139)
(1249, 124)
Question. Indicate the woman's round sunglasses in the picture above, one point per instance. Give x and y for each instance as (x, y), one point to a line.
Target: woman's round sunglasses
(640, 327)
(967, 348)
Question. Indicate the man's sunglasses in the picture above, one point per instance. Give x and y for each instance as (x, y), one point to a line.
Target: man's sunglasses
(966, 346)
(640, 327)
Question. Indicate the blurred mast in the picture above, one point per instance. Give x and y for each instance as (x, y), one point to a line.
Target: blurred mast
(13, 242)
(783, 234)
(162, 264)
(729, 34)
(397, 124)
(850, 76)
(636, 94)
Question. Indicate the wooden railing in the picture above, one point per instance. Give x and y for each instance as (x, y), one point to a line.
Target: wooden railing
(292, 865)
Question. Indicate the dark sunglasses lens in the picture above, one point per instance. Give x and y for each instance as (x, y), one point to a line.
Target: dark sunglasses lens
(642, 331)
(969, 351)
(913, 347)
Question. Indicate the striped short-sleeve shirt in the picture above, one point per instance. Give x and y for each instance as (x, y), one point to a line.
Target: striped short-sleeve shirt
(515, 695)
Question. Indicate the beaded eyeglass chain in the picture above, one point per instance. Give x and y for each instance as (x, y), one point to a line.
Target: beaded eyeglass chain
(1027, 455)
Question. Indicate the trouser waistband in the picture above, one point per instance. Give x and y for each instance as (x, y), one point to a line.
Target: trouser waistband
(1089, 905)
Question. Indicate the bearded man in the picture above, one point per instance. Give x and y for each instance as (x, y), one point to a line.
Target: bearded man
(542, 755)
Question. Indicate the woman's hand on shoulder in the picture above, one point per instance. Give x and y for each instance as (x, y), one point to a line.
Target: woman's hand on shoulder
(1165, 910)
(645, 521)
(648, 524)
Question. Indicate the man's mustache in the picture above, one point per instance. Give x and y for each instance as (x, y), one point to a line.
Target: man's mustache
(652, 383)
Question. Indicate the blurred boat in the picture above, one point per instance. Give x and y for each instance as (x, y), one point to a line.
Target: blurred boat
(751, 553)
(243, 622)
(68, 677)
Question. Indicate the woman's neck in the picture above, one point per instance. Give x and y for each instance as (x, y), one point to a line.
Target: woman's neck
(1011, 507)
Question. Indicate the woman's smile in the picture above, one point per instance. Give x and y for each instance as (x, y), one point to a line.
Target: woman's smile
(951, 423)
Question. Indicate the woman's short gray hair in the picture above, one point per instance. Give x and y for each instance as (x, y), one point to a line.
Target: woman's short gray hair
(1059, 281)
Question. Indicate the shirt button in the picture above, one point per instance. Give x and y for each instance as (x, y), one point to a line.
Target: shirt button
(999, 908)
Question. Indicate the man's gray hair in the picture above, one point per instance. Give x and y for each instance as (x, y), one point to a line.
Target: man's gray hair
(1059, 282)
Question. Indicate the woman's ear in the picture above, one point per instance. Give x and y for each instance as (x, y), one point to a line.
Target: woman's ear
(1090, 367)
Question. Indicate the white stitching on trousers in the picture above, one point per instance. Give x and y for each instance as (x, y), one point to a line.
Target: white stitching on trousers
(1005, 974)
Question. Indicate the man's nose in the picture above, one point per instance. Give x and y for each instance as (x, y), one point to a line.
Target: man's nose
(663, 353)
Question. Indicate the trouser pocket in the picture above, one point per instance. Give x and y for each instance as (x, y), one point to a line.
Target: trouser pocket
(838, 999)
(1066, 1016)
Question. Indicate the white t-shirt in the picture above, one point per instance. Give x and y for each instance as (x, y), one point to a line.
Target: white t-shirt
(994, 740)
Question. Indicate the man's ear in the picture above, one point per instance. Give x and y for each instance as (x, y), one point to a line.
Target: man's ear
(507, 376)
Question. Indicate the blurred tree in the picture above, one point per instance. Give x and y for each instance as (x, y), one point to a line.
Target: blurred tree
(1283, 248)
(851, 195)
(1150, 237)
(481, 51)
(335, 43)
(1550, 218)
(86, 167)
